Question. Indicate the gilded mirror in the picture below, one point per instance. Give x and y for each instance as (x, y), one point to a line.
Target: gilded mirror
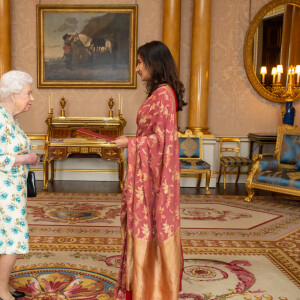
(273, 39)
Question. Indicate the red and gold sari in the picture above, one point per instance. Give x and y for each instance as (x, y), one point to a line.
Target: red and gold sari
(152, 261)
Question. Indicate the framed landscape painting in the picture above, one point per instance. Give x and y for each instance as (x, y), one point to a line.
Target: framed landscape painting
(86, 46)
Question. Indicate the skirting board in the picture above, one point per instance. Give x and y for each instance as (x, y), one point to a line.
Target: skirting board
(100, 170)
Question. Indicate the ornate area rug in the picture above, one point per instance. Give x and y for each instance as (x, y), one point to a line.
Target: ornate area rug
(232, 249)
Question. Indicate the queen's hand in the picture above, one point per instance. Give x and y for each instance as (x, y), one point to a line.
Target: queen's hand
(32, 158)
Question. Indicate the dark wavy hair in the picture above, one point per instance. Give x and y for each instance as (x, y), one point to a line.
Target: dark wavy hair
(160, 63)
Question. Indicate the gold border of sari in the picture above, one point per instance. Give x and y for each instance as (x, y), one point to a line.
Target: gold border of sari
(153, 270)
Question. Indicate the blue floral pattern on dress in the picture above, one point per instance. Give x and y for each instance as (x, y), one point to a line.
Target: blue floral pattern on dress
(17, 148)
(7, 161)
(14, 233)
(14, 170)
(7, 182)
(3, 196)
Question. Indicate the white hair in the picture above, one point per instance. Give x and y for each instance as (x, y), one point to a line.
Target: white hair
(13, 82)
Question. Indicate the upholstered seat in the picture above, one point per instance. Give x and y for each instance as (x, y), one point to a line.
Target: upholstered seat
(235, 161)
(280, 173)
(191, 157)
(192, 164)
(282, 178)
(230, 145)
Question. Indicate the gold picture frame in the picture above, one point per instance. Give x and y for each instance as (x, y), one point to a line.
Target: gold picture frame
(86, 46)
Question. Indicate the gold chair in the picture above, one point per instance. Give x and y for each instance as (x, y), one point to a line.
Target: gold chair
(279, 173)
(191, 157)
(231, 147)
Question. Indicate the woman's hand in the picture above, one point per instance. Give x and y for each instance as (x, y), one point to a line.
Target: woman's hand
(31, 159)
(121, 142)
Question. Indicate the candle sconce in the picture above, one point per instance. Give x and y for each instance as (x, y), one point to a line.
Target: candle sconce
(50, 116)
(120, 114)
(288, 93)
(276, 85)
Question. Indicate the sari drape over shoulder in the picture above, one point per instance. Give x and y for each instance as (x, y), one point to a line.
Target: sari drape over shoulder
(152, 262)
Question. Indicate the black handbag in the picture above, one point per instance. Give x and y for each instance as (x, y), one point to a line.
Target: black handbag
(31, 186)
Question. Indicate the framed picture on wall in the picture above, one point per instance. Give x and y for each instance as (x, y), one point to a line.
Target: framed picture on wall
(86, 46)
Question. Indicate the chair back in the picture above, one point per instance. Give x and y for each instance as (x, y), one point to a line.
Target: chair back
(190, 145)
(287, 149)
(230, 146)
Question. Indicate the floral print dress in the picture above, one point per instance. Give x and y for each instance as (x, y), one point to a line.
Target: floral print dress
(14, 233)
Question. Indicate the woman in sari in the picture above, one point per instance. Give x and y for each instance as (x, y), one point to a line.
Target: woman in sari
(152, 261)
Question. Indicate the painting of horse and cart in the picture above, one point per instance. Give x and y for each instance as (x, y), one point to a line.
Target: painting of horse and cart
(87, 46)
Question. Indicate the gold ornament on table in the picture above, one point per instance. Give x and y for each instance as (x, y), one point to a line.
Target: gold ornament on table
(111, 104)
(63, 103)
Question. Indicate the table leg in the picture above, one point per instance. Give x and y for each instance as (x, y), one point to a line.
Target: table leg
(52, 171)
(46, 170)
(121, 163)
(251, 149)
(260, 147)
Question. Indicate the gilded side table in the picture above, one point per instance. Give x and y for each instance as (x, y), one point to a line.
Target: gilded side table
(63, 140)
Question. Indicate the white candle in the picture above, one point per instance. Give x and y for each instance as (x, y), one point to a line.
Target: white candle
(278, 77)
(119, 102)
(49, 103)
(279, 71)
(298, 73)
(263, 72)
(274, 74)
(121, 105)
(290, 76)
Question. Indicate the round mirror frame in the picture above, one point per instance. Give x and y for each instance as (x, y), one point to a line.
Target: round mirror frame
(248, 49)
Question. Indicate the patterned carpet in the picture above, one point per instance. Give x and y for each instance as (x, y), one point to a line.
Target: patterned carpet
(232, 249)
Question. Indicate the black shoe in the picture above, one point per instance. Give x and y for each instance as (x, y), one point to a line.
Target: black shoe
(18, 294)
